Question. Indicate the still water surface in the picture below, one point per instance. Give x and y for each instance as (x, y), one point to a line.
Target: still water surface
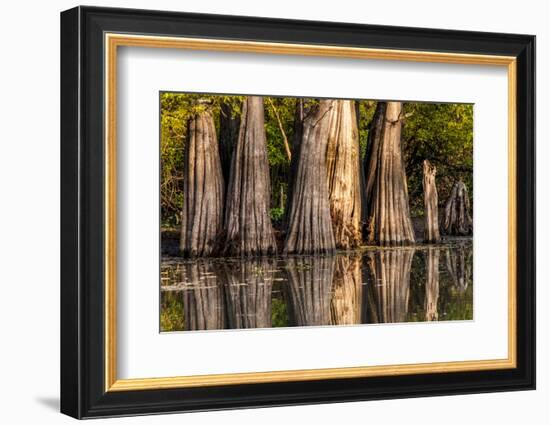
(373, 285)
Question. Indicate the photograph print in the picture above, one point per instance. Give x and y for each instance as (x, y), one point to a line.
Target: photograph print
(286, 211)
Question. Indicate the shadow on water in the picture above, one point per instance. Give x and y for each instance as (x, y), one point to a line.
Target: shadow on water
(374, 285)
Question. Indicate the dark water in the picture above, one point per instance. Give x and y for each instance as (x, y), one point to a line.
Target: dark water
(392, 285)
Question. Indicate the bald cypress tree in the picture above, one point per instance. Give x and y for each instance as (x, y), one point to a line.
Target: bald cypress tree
(387, 198)
(343, 174)
(203, 189)
(309, 222)
(249, 231)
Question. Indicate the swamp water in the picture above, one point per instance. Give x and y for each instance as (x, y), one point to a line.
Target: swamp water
(371, 285)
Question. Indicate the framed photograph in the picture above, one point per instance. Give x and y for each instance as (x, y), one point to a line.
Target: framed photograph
(261, 212)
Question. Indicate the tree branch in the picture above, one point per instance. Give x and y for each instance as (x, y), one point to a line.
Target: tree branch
(285, 139)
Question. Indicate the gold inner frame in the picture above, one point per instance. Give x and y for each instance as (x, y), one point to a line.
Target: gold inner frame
(113, 41)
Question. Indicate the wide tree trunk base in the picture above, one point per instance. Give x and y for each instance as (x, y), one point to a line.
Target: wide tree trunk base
(203, 190)
(309, 222)
(343, 174)
(249, 231)
(389, 220)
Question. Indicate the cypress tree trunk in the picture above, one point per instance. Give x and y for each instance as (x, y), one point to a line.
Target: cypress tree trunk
(345, 305)
(458, 220)
(229, 131)
(431, 261)
(309, 287)
(431, 220)
(247, 216)
(389, 284)
(203, 305)
(248, 293)
(203, 189)
(343, 174)
(389, 221)
(309, 222)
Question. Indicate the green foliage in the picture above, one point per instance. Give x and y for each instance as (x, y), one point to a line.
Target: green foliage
(279, 108)
(443, 134)
(366, 113)
(277, 214)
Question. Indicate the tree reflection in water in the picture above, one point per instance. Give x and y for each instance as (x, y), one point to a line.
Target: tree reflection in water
(203, 304)
(390, 271)
(382, 285)
(432, 283)
(247, 287)
(459, 265)
(309, 289)
(345, 305)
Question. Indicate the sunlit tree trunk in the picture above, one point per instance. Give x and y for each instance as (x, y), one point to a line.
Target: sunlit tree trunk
(345, 305)
(203, 304)
(343, 174)
(431, 220)
(247, 215)
(309, 288)
(458, 219)
(203, 189)
(309, 222)
(247, 287)
(389, 221)
(431, 261)
(389, 285)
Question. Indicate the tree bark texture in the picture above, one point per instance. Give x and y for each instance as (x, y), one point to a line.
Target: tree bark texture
(343, 174)
(309, 290)
(309, 221)
(389, 285)
(431, 260)
(247, 287)
(458, 219)
(345, 304)
(229, 131)
(203, 303)
(389, 221)
(247, 216)
(203, 189)
(431, 219)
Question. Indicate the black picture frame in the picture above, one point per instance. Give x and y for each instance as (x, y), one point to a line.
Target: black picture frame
(82, 212)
